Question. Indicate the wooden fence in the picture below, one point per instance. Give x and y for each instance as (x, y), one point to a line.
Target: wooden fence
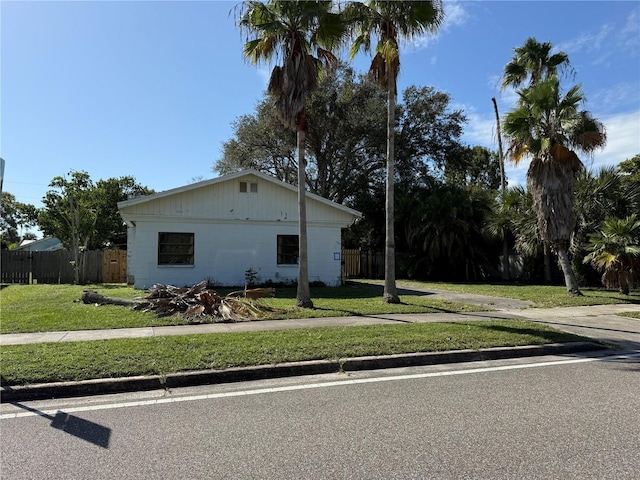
(359, 263)
(109, 266)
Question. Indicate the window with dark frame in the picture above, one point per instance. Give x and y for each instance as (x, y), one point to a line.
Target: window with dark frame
(287, 249)
(175, 248)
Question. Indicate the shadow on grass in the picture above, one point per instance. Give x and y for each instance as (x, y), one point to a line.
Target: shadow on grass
(340, 312)
(622, 345)
(350, 290)
(431, 307)
(354, 291)
(389, 316)
(632, 298)
(413, 292)
(548, 322)
(108, 286)
(551, 336)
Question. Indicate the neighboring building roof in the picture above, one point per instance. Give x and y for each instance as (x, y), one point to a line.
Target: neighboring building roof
(46, 244)
(232, 176)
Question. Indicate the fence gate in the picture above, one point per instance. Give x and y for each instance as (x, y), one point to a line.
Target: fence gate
(351, 265)
(114, 266)
(359, 263)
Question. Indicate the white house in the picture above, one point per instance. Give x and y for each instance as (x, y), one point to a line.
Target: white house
(219, 229)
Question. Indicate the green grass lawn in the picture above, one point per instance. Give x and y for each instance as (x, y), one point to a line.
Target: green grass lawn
(543, 296)
(45, 308)
(41, 308)
(73, 361)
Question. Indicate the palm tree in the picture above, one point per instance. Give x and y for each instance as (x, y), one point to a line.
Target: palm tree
(501, 223)
(601, 195)
(598, 196)
(616, 249)
(503, 178)
(390, 22)
(503, 186)
(533, 60)
(301, 34)
(547, 126)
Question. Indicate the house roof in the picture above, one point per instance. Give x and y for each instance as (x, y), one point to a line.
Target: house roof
(46, 244)
(232, 176)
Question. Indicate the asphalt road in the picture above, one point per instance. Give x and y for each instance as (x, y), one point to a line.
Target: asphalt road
(546, 417)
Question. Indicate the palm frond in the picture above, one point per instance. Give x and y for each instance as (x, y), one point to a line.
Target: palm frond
(299, 34)
(390, 21)
(533, 60)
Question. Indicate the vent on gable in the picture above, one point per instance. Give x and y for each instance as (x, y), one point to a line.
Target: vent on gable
(253, 187)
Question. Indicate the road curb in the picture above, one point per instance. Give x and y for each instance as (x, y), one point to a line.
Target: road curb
(315, 367)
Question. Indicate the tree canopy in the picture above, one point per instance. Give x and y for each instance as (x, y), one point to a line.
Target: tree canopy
(346, 141)
(76, 205)
(15, 220)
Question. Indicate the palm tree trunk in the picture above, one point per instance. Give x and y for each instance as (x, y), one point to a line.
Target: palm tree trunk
(551, 183)
(623, 279)
(569, 278)
(624, 283)
(390, 294)
(506, 273)
(303, 294)
(503, 179)
(547, 262)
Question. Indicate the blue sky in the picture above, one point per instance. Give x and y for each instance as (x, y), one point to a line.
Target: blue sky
(151, 88)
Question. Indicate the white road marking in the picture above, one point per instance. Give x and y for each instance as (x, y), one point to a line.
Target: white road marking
(290, 388)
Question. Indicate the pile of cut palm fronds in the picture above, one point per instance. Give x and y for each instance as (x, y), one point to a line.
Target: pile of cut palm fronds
(196, 303)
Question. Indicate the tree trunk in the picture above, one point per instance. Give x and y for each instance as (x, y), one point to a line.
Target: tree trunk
(547, 263)
(91, 297)
(75, 240)
(506, 273)
(503, 178)
(303, 295)
(569, 278)
(624, 284)
(551, 183)
(390, 294)
(623, 279)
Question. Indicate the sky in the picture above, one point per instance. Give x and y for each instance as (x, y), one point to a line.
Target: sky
(151, 88)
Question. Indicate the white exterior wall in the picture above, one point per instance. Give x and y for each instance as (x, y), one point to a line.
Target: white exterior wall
(131, 241)
(224, 251)
(233, 232)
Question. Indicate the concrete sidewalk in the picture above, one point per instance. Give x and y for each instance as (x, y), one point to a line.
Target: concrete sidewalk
(599, 322)
(253, 326)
